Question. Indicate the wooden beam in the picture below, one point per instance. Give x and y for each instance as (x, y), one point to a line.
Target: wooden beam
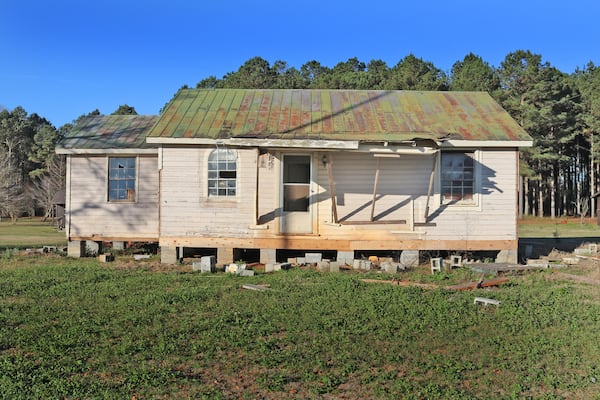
(430, 187)
(389, 222)
(375, 188)
(328, 164)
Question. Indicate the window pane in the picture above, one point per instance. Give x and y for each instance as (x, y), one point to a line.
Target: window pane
(121, 178)
(222, 172)
(457, 177)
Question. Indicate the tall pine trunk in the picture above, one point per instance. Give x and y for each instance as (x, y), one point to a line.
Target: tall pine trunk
(540, 198)
(552, 194)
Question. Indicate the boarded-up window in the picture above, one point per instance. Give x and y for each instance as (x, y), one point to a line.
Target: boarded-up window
(222, 173)
(121, 179)
(458, 177)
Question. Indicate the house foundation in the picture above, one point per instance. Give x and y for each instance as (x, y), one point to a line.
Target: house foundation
(345, 257)
(76, 248)
(510, 256)
(168, 254)
(225, 255)
(268, 256)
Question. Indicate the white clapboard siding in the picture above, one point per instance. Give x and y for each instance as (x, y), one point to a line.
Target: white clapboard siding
(186, 210)
(268, 189)
(494, 217)
(402, 181)
(92, 215)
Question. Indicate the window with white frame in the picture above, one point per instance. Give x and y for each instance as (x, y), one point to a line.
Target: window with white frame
(121, 178)
(458, 177)
(222, 173)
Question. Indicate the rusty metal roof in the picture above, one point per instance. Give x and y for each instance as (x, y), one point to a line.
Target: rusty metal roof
(109, 132)
(364, 115)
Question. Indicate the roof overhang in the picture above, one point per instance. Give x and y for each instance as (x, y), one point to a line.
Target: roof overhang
(106, 151)
(243, 142)
(486, 143)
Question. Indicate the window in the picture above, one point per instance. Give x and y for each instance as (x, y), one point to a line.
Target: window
(458, 177)
(121, 179)
(222, 173)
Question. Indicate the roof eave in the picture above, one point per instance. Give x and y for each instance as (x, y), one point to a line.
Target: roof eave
(106, 151)
(486, 143)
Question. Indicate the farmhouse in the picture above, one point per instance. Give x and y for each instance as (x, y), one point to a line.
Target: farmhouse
(268, 170)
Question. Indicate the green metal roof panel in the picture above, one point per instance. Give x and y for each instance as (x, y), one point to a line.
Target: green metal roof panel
(336, 115)
(110, 132)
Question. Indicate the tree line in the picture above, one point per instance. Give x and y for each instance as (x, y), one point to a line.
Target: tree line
(31, 173)
(559, 174)
(561, 111)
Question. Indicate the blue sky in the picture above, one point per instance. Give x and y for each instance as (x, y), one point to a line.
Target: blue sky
(64, 58)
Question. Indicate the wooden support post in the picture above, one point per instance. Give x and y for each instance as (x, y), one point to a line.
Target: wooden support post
(375, 189)
(430, 188)
(256, 212)
(328, 164)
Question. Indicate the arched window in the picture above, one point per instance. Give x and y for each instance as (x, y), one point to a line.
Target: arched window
(222, 173)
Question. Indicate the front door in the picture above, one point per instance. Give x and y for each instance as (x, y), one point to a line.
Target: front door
(296, 216)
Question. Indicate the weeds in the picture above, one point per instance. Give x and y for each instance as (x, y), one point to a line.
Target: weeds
(73, 329)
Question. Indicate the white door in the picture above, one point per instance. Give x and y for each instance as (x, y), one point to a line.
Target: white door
(296, 216)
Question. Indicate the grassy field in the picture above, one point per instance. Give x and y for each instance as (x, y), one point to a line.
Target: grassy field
(78, 329)
(29, 232)
(559, 227)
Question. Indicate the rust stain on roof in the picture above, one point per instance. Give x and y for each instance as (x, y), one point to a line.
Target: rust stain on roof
(110, 132)
(336, 115)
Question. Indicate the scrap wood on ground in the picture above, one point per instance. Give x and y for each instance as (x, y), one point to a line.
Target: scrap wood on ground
(462, 286)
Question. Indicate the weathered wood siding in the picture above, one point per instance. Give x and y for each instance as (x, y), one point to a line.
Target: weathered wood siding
(401, 182)
(92, 216)
(495, 215)
(186, 209)
(189, 217)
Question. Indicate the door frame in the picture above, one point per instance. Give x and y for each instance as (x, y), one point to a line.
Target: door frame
(308, 218)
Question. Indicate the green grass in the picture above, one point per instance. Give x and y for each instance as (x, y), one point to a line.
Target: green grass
(29, 232)
(78, 329)
(531, 227)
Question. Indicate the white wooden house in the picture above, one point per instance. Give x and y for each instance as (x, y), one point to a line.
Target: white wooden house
(340, 170)
(112, 182)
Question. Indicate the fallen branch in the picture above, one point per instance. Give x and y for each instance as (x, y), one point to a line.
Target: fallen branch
(477, 285)
(398, 282)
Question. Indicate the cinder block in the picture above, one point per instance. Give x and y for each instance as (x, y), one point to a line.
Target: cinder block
(345, 257)
(268, 256)
(409, 258)
(168, 255)
(334, 266)
(235, 268)
(206, 264)
(76, 248)
(437, 264)
(92, 248)
(323, 266)
(390, 267)
(106, 258)
(455, 261)
(313, 258)
(246, 272)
